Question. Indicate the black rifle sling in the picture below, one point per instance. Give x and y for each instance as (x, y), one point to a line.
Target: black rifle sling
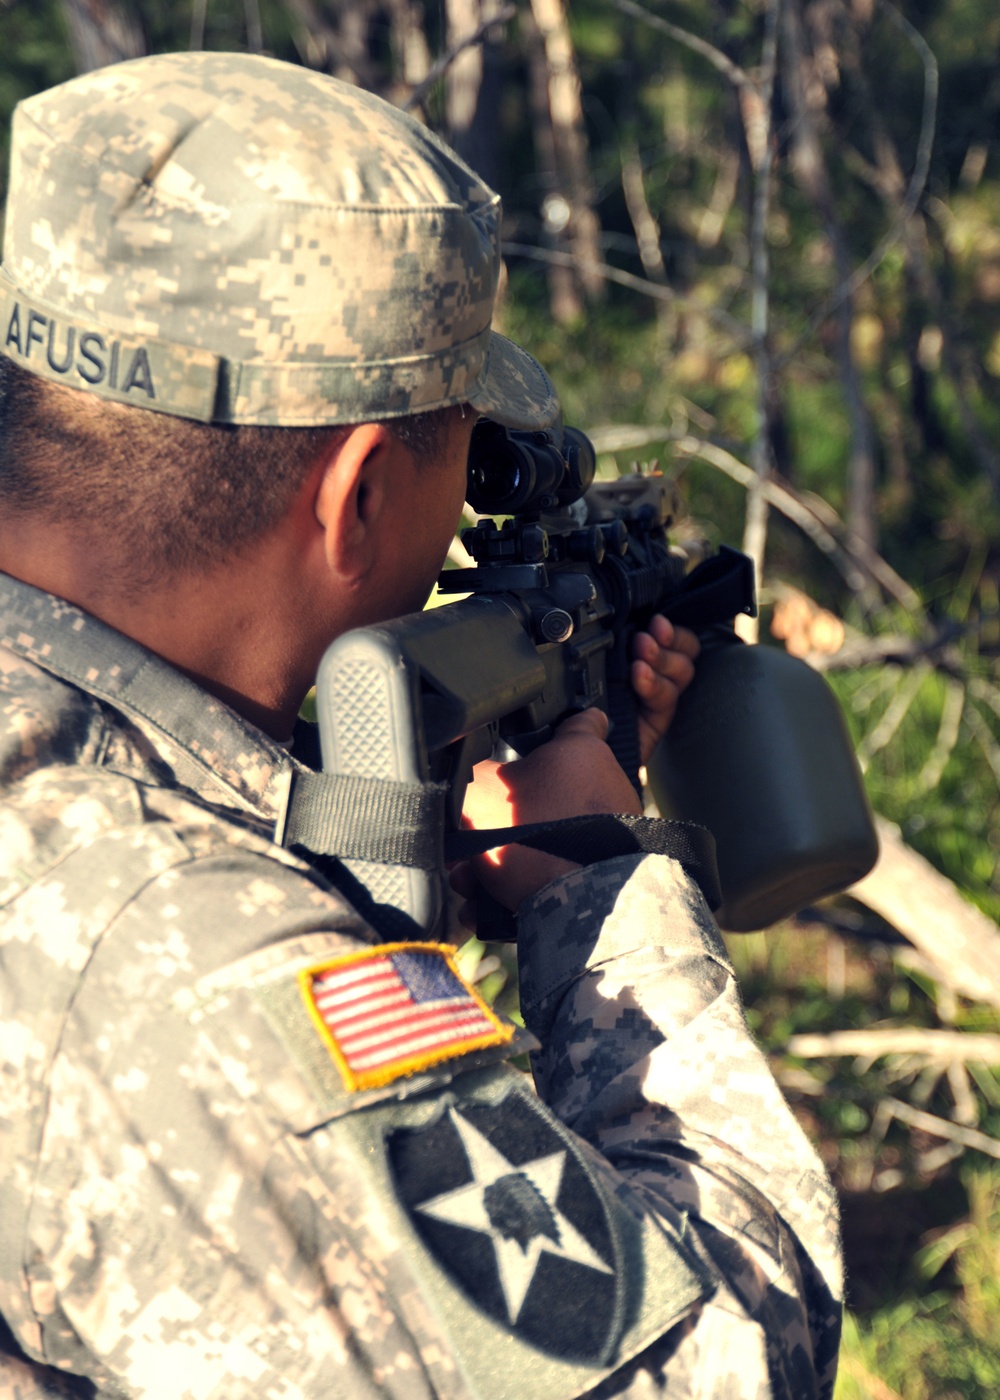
(394, 823)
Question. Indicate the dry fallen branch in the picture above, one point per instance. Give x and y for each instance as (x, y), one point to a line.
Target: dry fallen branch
(937, 1127)
(956, 938)
(938, 649)
(942, 1047)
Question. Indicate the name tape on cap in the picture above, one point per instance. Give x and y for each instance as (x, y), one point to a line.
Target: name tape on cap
(137, 370)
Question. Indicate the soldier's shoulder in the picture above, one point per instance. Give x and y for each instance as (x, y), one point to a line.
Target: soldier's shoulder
(44, 719)
(80, 822)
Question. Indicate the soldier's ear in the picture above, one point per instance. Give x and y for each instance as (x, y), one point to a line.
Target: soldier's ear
(351, 497)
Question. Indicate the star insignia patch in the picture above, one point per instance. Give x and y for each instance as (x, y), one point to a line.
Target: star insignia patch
(501, 1199)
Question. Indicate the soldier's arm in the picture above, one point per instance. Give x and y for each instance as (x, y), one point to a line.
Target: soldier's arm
(646, 1054)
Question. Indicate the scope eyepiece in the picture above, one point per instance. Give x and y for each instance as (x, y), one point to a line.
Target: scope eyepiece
(515, 472)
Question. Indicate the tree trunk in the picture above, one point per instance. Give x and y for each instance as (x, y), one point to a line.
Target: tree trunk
(761, 145)
(565, 300)
(565, 106)
(102, 32)
(472, 88)
(809, 167)
(889, 182)
(410, 42)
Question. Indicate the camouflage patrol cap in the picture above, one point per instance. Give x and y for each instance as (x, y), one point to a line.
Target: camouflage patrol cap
(232, 239)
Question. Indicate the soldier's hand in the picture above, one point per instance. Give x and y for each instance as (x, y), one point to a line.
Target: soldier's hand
(662, 669)
(574, 774)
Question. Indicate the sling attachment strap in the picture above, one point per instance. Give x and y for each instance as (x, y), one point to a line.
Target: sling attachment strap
(392, 823)
(718, 589)
(373, 819)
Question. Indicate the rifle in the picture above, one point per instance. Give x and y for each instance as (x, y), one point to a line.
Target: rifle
(558, 590)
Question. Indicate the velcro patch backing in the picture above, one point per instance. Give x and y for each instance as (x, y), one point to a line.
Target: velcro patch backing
(395, 1009)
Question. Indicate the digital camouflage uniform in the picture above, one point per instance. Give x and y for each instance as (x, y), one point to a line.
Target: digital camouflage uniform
(191, 1203)
(199, 1196)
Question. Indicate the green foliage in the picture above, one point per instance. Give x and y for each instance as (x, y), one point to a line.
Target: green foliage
(933, 1345)
(36, 56)
(925, 337)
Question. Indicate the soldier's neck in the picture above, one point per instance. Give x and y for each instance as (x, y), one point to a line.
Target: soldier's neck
(247, 631)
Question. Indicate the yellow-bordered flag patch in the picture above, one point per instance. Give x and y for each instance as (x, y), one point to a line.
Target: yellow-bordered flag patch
(395, 1009)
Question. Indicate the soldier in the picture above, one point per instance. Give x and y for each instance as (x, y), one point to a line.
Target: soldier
(250, 1148)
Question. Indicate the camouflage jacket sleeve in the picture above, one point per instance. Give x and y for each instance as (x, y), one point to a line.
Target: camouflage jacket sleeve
(646, 1053)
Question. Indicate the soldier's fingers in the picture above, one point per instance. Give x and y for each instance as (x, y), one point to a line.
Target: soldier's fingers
(462, 879)
(663, 642)
(675, 638)
(587, 724)
(652, 664)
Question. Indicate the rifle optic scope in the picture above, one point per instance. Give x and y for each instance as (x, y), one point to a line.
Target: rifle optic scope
(514, 472)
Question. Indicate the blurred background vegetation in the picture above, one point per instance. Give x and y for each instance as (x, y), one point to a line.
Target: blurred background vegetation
(758, 242)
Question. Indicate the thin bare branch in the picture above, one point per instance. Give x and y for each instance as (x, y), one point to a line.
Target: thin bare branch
(808, 163)
(575, 185)
(940, 1127)
(856, 567)
(938, 648)
(857, 563)
(984, 738)
(647, 233)
(966, 1103)
(657, 290)
(867, 555)
(947, 737)
(443, 63)
(986, 691)
(719, 61)
(883, 733)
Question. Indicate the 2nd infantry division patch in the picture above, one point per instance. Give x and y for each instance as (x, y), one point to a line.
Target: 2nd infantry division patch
(396, 1009)
(502, 1201)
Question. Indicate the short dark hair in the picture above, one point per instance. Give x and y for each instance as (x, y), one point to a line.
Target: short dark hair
(176, 495)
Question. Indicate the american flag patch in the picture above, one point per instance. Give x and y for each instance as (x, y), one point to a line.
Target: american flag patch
(395, 1009)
